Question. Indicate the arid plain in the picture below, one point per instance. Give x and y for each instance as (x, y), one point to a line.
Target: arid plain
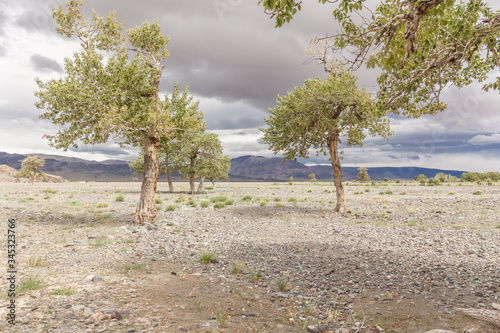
(404, 258)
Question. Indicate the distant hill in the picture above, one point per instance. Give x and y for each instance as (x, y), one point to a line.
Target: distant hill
(274, 169)
(244, 168)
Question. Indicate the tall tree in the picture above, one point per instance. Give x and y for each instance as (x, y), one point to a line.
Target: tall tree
(110, 88)
(363, 175)
(186, 119)
(200, 157)
(421, 46)
(30, 168)
(319, 114)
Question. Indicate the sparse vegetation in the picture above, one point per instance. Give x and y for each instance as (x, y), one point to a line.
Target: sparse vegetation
(206, 256)
(36, 262)
(170, 208)
(62, 291)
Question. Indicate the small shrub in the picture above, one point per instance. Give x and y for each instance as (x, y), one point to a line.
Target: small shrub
(263, 203)
(62, 291)
(388, 192)
(229, 202)
(158, 201)
(451, 193)
(180, 199)
(120, 198)
(29, 283)
(255, 275)
(170, 208)
(477, 193)
(102, 205)
(218, 198)
(277, 199)
(386, 179)
(292, 200)
(36, 262)
(204, 203)
(219, 205)
(282, 286)
(219, 317)
(206, 257)
(237, 267)
(247, 198)
(51, 191)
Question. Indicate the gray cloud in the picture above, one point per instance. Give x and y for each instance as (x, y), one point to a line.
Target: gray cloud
(236, 62)
(485, 139)
(44, 64)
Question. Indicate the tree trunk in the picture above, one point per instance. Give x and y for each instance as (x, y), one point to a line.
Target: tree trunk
(200, 187)
(332, 143)
(213, 183)
(170, 185)
(191, 183)
(146, 208)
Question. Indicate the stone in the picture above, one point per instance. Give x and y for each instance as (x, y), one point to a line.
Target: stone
(78, 308)
(312, 329)
(283, 295)
(322, 327)
(439, 331)
(96, 278)
(342, 330)
(209, 324)
(150, 226)
(495, 306)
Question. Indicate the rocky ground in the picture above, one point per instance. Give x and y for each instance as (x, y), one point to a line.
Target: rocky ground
(405, 258)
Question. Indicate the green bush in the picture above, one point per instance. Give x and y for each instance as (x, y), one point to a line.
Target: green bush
(170, 208)
(120, 198)
(219, 205)
(219, 198)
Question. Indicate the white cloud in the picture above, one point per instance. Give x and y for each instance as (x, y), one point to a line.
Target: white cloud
(480, 140)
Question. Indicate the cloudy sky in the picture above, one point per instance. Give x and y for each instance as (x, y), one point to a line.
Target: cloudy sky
(235, 62)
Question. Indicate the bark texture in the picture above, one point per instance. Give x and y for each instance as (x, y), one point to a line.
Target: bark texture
(200, 186)
(170, 184)
(191, 183)
(332, 143)
(146, 208)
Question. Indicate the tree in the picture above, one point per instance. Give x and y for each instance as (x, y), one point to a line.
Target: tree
(363, 175)
(318, 115)
(421, 178)
(30, 168)
(312, 177)
(110, 89)
(440, 176)
(186, 119)
(199, 157)
(290, 180)
(421, 46)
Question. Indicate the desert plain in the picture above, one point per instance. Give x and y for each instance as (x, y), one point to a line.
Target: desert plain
(253, 257)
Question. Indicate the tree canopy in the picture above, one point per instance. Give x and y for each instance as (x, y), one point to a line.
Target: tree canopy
(319, 115)
(110, 89)
(421, 46)
(30, 168)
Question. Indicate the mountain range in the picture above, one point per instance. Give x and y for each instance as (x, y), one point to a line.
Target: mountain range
(243, 168)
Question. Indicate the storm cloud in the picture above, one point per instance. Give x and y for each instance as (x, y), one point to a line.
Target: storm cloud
(236, 63)
(44, 64)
